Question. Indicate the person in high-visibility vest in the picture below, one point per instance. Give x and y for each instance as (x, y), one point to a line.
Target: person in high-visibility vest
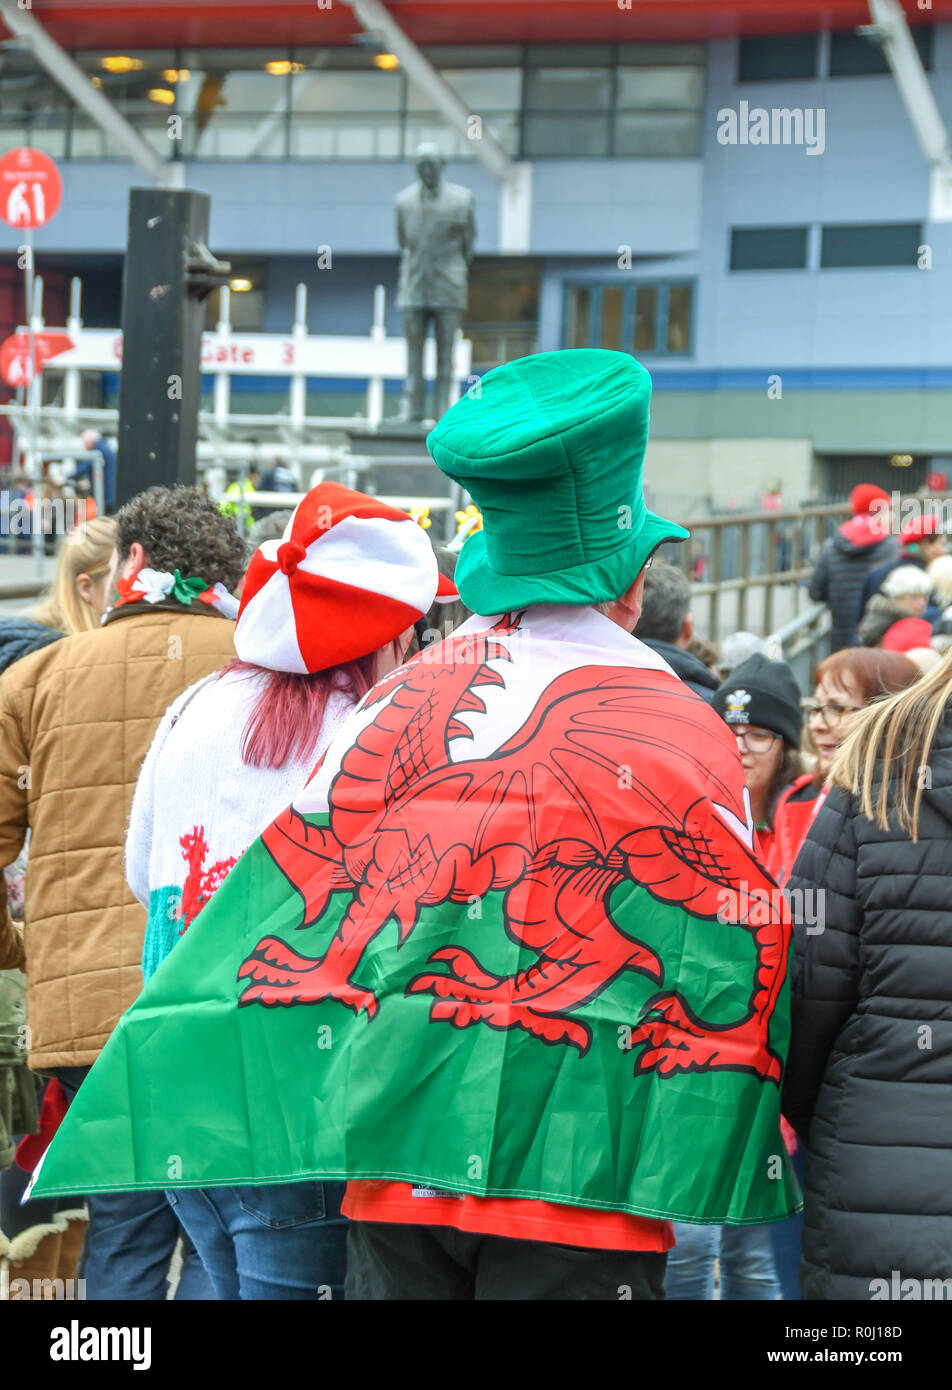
(234, 504)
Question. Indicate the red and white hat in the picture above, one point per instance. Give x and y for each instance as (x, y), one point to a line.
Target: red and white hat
(348, 576)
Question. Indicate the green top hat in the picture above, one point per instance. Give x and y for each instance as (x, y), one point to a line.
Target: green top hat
(552, 448)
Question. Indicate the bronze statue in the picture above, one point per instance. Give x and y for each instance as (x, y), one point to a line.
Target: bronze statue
(436, 231)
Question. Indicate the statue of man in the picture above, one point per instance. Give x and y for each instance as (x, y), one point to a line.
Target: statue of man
(436, 232)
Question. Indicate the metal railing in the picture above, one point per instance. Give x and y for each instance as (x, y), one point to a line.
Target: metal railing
(803, 644)
(750, 569)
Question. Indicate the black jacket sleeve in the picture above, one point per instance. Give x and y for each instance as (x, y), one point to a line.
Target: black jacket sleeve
(824, 989)
(819, 587)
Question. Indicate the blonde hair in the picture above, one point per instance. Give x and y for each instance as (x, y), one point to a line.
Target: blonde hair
(86, 550)
(940, 573)
(897, 734)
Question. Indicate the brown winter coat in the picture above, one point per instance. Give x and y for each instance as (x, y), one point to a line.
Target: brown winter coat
(76, 721)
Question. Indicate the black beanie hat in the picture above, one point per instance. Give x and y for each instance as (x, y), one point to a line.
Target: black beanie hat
(764, 693)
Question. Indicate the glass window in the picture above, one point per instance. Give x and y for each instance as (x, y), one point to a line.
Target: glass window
(568, 89)
(502, 317)
(853, 55)
(568, 136)
(142, 85)
(475, 55)
(646, 318)
(246, 310)
(569, 54)
(679, 318)
(578, 328)
(768, 248)
(653, 54)
(233, 136)
(504, 290)
(772, 59)
(482, 89)
(653, 89)
(346, 136)
(598, 314)
(329, 91)
(430, 128)
(613, 308)
(234, 103)
(658, 134)
(343, 107)
(33, 109)
(891, 243)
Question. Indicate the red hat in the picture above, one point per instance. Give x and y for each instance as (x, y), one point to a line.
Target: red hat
(348, 576)
(864, 495)
(919, 528)
(906, 634)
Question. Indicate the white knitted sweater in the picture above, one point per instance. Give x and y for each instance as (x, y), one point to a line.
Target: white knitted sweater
(198, 806)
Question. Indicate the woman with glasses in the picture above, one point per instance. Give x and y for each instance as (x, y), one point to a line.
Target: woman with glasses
(868, 1084)
(760, 702)
(845, 682)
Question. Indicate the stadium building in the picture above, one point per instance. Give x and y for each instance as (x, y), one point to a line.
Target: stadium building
(748, 196)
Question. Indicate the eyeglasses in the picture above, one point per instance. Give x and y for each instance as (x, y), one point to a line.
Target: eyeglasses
(755, 740)
(830, 714)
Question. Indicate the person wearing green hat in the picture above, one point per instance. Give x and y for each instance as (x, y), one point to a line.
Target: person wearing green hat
(551, 448)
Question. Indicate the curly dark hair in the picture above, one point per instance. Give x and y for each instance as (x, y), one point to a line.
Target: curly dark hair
(181, 528)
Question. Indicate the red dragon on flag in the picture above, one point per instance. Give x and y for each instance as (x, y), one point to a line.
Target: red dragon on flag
(553, 809)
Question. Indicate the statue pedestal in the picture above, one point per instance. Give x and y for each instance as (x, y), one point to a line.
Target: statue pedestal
(391, 438)
(394, 462)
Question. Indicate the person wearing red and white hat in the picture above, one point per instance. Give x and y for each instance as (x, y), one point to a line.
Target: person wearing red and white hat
(326, 611)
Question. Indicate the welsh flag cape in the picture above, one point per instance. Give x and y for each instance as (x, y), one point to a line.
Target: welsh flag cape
(512, 940)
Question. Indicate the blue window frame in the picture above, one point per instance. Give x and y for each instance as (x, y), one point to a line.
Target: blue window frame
(648, 318)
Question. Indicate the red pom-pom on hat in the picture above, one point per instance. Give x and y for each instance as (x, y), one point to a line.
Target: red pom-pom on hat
(290, 555)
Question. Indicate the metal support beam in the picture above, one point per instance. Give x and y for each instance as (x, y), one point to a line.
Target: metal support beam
(377, 19)
(76, 84)
(890, 30)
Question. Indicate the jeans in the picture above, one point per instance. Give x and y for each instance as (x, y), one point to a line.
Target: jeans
(746, 1263)
(390, 1261)
(130, 1239)
(787, 1239)
(283, 1241)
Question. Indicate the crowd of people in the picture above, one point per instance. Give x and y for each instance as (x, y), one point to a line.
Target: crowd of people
(180, 684)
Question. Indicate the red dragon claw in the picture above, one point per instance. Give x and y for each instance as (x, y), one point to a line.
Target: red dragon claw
(464, 966)
(279, 975)
(474, 996)
(675, 1040)
(503, 1016)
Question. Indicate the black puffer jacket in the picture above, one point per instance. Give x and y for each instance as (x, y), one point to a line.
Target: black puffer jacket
(841, 570)
(686, 667)
(20, 636)
(869, 1077)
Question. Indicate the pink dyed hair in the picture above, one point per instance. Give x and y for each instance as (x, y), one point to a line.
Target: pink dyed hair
(286, 720)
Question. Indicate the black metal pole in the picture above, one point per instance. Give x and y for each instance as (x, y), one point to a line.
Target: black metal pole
(168, 272)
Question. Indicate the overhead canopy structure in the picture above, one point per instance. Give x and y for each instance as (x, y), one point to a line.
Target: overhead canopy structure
(223, 23)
